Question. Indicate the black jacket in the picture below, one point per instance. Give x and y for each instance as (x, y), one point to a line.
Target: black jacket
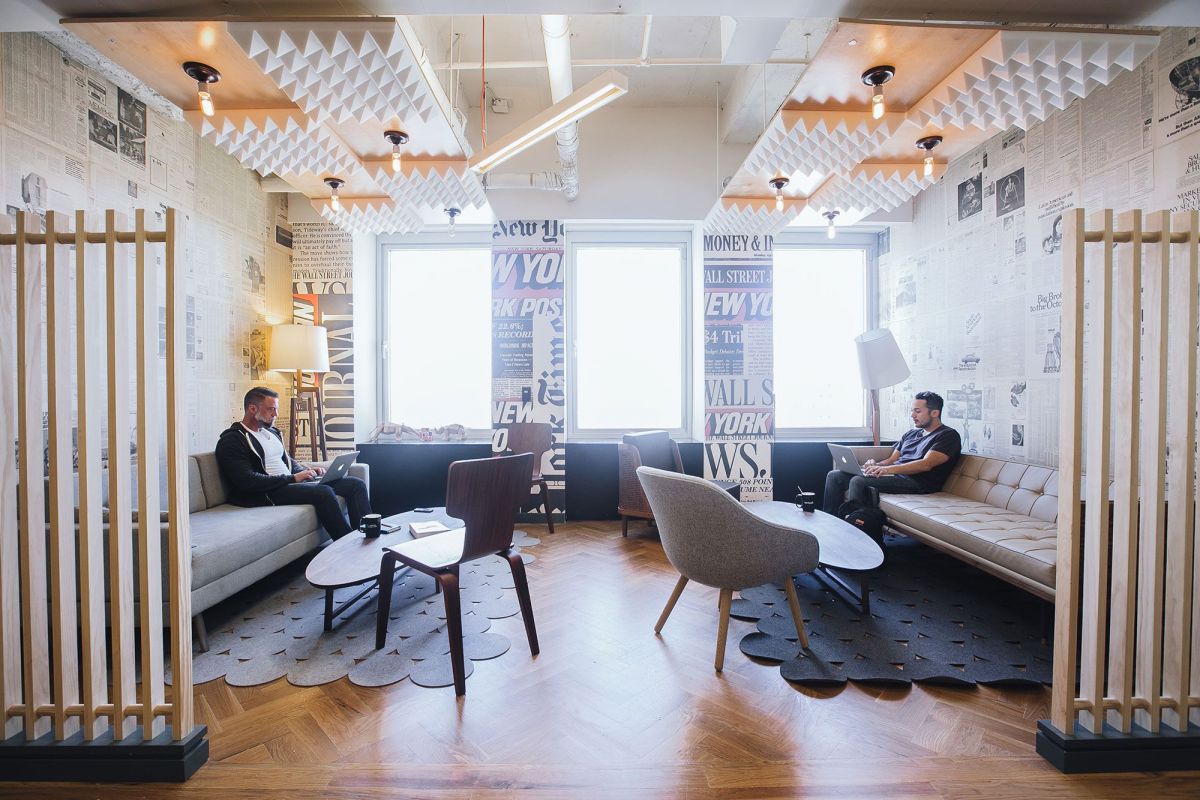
(244, 467)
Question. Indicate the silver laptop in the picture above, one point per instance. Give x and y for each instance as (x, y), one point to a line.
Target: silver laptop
(338, 469)
(844, 459)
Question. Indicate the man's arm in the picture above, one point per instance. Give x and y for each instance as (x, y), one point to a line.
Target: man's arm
(242, 473)
(891, 459)
(932, 459)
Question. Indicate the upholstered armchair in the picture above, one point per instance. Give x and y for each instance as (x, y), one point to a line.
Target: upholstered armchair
(655, 449)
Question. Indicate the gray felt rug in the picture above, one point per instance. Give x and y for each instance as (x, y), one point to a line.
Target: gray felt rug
(933, 619)
(276, 629)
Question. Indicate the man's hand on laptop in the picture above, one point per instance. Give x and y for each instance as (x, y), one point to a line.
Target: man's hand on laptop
(305, 475)
(874, 470)
(319, 470)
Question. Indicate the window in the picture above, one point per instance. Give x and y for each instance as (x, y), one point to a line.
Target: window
(822, 301)
(437, 320)
(628, 322)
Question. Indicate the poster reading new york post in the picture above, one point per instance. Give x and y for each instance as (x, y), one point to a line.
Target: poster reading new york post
(739, 398)
(529, 365)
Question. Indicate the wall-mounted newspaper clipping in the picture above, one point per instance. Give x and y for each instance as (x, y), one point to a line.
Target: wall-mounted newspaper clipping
(529, 364)
(739, 396)
(323, 294)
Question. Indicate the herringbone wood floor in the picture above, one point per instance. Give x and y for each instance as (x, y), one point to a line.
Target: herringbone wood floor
(610, 710)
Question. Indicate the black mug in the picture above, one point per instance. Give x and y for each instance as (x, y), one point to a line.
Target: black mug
(371, 526)
(806, 501)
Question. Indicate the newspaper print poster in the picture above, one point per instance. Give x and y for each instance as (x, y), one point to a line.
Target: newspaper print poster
(323, 294)
(529, 365)
(739, 395)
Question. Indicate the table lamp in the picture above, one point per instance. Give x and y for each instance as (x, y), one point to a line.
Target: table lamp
(880, 364)
(299, 349)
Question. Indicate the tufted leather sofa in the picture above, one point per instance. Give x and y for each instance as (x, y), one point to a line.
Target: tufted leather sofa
(1000, 516)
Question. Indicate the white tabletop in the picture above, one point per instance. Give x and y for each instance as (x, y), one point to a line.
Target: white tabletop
(842, 546)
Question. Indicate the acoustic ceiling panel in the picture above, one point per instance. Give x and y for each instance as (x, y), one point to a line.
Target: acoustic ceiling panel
(1021, 77)
(370, 215)
(874, 187)
(279, 141)
(818, 142)
(347, 70)
(430, 184)
(750, 215)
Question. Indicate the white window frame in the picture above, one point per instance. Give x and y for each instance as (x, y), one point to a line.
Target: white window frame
(846, 240)
(631, 236)
(465, 238)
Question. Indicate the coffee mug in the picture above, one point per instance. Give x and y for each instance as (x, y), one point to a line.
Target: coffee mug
(372, 525)
(806, 501)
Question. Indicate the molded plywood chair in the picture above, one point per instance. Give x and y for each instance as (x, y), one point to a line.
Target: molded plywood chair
(485, 494)
(536, 438)
(655, 449)
(712, 539)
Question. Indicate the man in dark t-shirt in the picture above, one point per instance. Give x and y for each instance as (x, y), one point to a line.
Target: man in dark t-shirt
(920, 462)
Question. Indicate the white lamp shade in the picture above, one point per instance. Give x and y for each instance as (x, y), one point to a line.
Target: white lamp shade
(303, 347)
(880, 362)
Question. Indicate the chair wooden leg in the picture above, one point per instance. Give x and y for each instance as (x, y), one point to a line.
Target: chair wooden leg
(723, 627)
(387, 571)
(200, 632)
(522, 583)
(449, 582)
(624, 526)
(546, 505)
(662, 619)
(789, 587)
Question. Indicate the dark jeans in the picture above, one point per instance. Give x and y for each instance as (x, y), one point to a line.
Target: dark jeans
(323, 498)
(842, 487)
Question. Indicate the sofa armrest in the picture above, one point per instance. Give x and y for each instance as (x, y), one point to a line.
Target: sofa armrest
(362, 471)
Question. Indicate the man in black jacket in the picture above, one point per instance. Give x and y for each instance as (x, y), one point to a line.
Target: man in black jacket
(260, 472)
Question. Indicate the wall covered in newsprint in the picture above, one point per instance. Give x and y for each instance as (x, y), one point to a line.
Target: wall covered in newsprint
(70, 139)
(972, 289)
(529, 344)
(739, 416)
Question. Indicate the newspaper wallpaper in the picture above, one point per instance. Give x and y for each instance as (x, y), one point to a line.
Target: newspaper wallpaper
(323, 294)
(529, 353)
(739, 401)
(70, 139)
(972, 290)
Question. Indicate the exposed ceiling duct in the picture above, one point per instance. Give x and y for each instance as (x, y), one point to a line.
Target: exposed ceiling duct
(556, 32)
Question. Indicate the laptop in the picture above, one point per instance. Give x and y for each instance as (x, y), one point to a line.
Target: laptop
(338, 469)
(843, 459)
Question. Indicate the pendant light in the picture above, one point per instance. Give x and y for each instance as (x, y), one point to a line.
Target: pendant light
(203, 75)
(334, 184)
(927, 143)
(396, 138)
(831, 231)
(777, 183)
(452, 212)
(876, 77)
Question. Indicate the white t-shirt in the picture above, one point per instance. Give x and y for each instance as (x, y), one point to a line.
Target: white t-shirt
(273, 450)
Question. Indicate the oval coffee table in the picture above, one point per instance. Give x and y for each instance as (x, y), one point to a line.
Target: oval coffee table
(843, 547)
(354, 559)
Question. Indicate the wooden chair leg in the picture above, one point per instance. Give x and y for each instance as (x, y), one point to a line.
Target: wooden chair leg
(449, 581)
(546, 505)
(662, 619)
(789, 586)
(522, 584)
(387, 571)
(200, 632)
(723, 627)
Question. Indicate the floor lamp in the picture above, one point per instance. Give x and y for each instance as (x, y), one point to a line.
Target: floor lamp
(880, 364)
(299, 349)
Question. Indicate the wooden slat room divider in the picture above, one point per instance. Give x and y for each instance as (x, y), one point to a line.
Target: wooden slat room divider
(1127, 606)
(79, 318)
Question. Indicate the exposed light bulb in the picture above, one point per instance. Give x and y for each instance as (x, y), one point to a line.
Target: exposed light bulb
(452, 212)
(779, 200)
(334, 202)
(206, 102)
(396, 158)
(831, 231)
(452, 227)
(877, 103)
(928, 166)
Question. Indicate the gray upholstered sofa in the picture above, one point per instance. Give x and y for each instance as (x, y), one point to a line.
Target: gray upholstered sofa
(1000, 516)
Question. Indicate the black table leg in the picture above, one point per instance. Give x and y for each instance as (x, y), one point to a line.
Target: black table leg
(844, 590)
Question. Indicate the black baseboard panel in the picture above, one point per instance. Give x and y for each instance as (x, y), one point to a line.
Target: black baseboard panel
(1138, 751)
(103, 760)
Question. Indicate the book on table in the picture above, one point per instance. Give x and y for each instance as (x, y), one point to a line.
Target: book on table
(426, 528)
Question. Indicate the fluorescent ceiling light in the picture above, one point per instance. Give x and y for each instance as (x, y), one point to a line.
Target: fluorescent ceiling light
(599, 92)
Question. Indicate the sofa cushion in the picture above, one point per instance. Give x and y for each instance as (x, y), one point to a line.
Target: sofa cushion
(211, 480)
(196, 499)
(1020, 543)
(226, 537)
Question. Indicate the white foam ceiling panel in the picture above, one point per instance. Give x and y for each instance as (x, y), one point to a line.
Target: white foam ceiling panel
(750, 215)
(346, 70)
(276, 141)
(429, 184)
(370, 215)
(818, 142)
(874, 187)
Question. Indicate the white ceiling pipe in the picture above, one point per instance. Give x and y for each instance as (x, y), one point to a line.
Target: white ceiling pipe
(556, 33)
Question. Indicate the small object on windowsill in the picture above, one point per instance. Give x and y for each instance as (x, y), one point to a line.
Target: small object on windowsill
(420, 529)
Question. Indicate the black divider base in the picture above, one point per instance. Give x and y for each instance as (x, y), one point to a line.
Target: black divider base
(103, 760)
(1113, 751)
